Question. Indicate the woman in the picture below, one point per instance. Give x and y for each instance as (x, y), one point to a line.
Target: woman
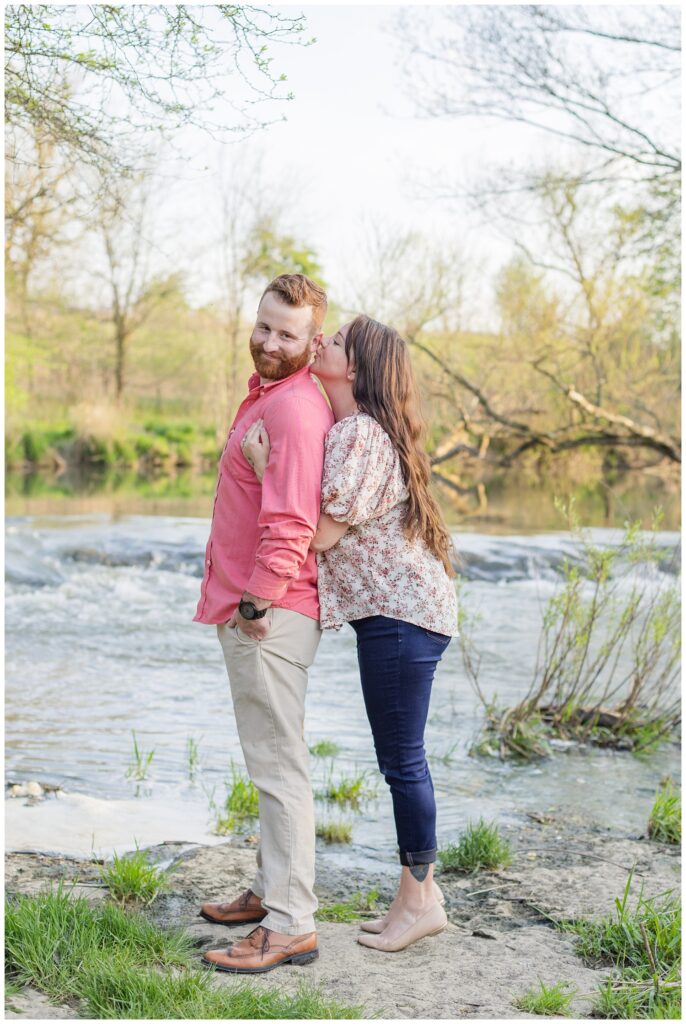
(384, 567)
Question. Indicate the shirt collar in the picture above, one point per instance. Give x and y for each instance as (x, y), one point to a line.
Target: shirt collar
(254, 383)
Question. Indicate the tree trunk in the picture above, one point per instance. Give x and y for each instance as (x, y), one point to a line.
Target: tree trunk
(119, 359)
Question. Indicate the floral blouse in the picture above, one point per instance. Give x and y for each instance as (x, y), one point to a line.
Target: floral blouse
(374, 569)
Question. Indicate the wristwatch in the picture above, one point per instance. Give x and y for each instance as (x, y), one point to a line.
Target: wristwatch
(250, 611)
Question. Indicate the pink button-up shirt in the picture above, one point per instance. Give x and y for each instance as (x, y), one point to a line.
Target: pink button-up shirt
(260, 536)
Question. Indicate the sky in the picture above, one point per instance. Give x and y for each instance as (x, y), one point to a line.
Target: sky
(351, 153)
(358, 154)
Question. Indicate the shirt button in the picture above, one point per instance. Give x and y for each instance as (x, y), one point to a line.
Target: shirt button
(209, 562)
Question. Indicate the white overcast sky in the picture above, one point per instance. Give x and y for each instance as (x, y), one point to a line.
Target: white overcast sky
(357, 150)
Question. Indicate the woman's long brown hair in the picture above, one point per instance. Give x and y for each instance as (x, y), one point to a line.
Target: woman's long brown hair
(385, 388)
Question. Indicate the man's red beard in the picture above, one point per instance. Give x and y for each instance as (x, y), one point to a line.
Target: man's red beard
(277, 367)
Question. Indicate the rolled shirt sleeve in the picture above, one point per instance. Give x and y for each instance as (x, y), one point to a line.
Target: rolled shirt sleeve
(291, 494)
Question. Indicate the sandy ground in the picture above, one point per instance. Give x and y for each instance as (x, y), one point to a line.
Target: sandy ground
(500, 939)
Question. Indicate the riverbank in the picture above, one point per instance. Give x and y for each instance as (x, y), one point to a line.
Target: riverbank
(183, 485)
(501, 940)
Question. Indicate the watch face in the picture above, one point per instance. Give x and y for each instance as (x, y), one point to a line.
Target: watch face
(247, 609)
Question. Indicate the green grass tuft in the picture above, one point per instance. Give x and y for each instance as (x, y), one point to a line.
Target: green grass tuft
(334, 831)
(643, 945)
(140, 766)
(664, 824)
(349, 790)
(48, 937)
(132, 878)
(351, 910)
(120, 966)
(113, 963)
(552, 1001)
(633, 999)
(192, 757)
(116, 990)
(325, 748)
(480, 848)
(242, 803)
(12, 988)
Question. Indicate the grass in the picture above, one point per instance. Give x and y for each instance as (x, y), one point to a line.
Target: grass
(447, 758)
(480, 848)
(550, 1001)
(99, 436)
(351, 910)
(132, 879)
(140, 767)
(643, 945)
(325, 748)
(119, 966)
(12, 988)
(192, 757)
(50, 940)
(664, 824)
(334, 831)
(242, 803)
(349, 790)
(115, 993)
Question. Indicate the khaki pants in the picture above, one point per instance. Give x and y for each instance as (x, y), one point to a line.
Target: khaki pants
(268, 684)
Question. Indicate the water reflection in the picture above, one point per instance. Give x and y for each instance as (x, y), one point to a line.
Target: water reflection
(511, 502)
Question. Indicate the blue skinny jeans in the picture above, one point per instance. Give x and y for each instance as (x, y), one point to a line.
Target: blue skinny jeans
(397, 665)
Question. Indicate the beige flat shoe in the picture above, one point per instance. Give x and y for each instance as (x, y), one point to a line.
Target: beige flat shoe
(430, 923)
(379, 923)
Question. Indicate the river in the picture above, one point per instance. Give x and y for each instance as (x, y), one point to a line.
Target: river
(100, 643)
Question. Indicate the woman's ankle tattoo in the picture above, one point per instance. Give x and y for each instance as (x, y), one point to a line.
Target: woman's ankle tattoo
(419, 871)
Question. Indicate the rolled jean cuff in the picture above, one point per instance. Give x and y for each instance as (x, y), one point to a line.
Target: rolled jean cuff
(422, 857)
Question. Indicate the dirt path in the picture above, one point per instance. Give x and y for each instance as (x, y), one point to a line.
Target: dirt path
(500, 940)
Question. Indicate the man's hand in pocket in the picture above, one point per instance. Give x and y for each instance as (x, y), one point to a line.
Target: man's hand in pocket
(255, 629)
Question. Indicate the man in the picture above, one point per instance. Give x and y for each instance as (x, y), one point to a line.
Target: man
(260, 588)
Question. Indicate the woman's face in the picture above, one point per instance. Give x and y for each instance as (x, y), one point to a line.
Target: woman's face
(330, 361)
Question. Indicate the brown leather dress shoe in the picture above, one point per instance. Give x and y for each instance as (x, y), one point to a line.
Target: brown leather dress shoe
(247, 909)
(255, 954)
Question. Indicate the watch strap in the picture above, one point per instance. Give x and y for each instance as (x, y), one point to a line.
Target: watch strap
(256, 613)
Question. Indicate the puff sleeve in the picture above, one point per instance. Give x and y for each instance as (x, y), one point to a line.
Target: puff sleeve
(362, 477)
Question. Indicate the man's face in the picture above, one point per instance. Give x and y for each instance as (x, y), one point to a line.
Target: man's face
(282, 341)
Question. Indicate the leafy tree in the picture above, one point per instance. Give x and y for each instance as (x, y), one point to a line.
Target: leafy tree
(270, 252)
(587, 354)
(578, 361)
(253, 246)
(97, 79)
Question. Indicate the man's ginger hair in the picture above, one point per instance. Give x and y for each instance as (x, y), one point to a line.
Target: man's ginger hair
(298, 290)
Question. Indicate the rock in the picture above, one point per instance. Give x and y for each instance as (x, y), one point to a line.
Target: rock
(33, 789)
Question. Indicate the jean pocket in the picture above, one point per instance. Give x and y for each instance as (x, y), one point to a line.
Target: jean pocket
(440, 639)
